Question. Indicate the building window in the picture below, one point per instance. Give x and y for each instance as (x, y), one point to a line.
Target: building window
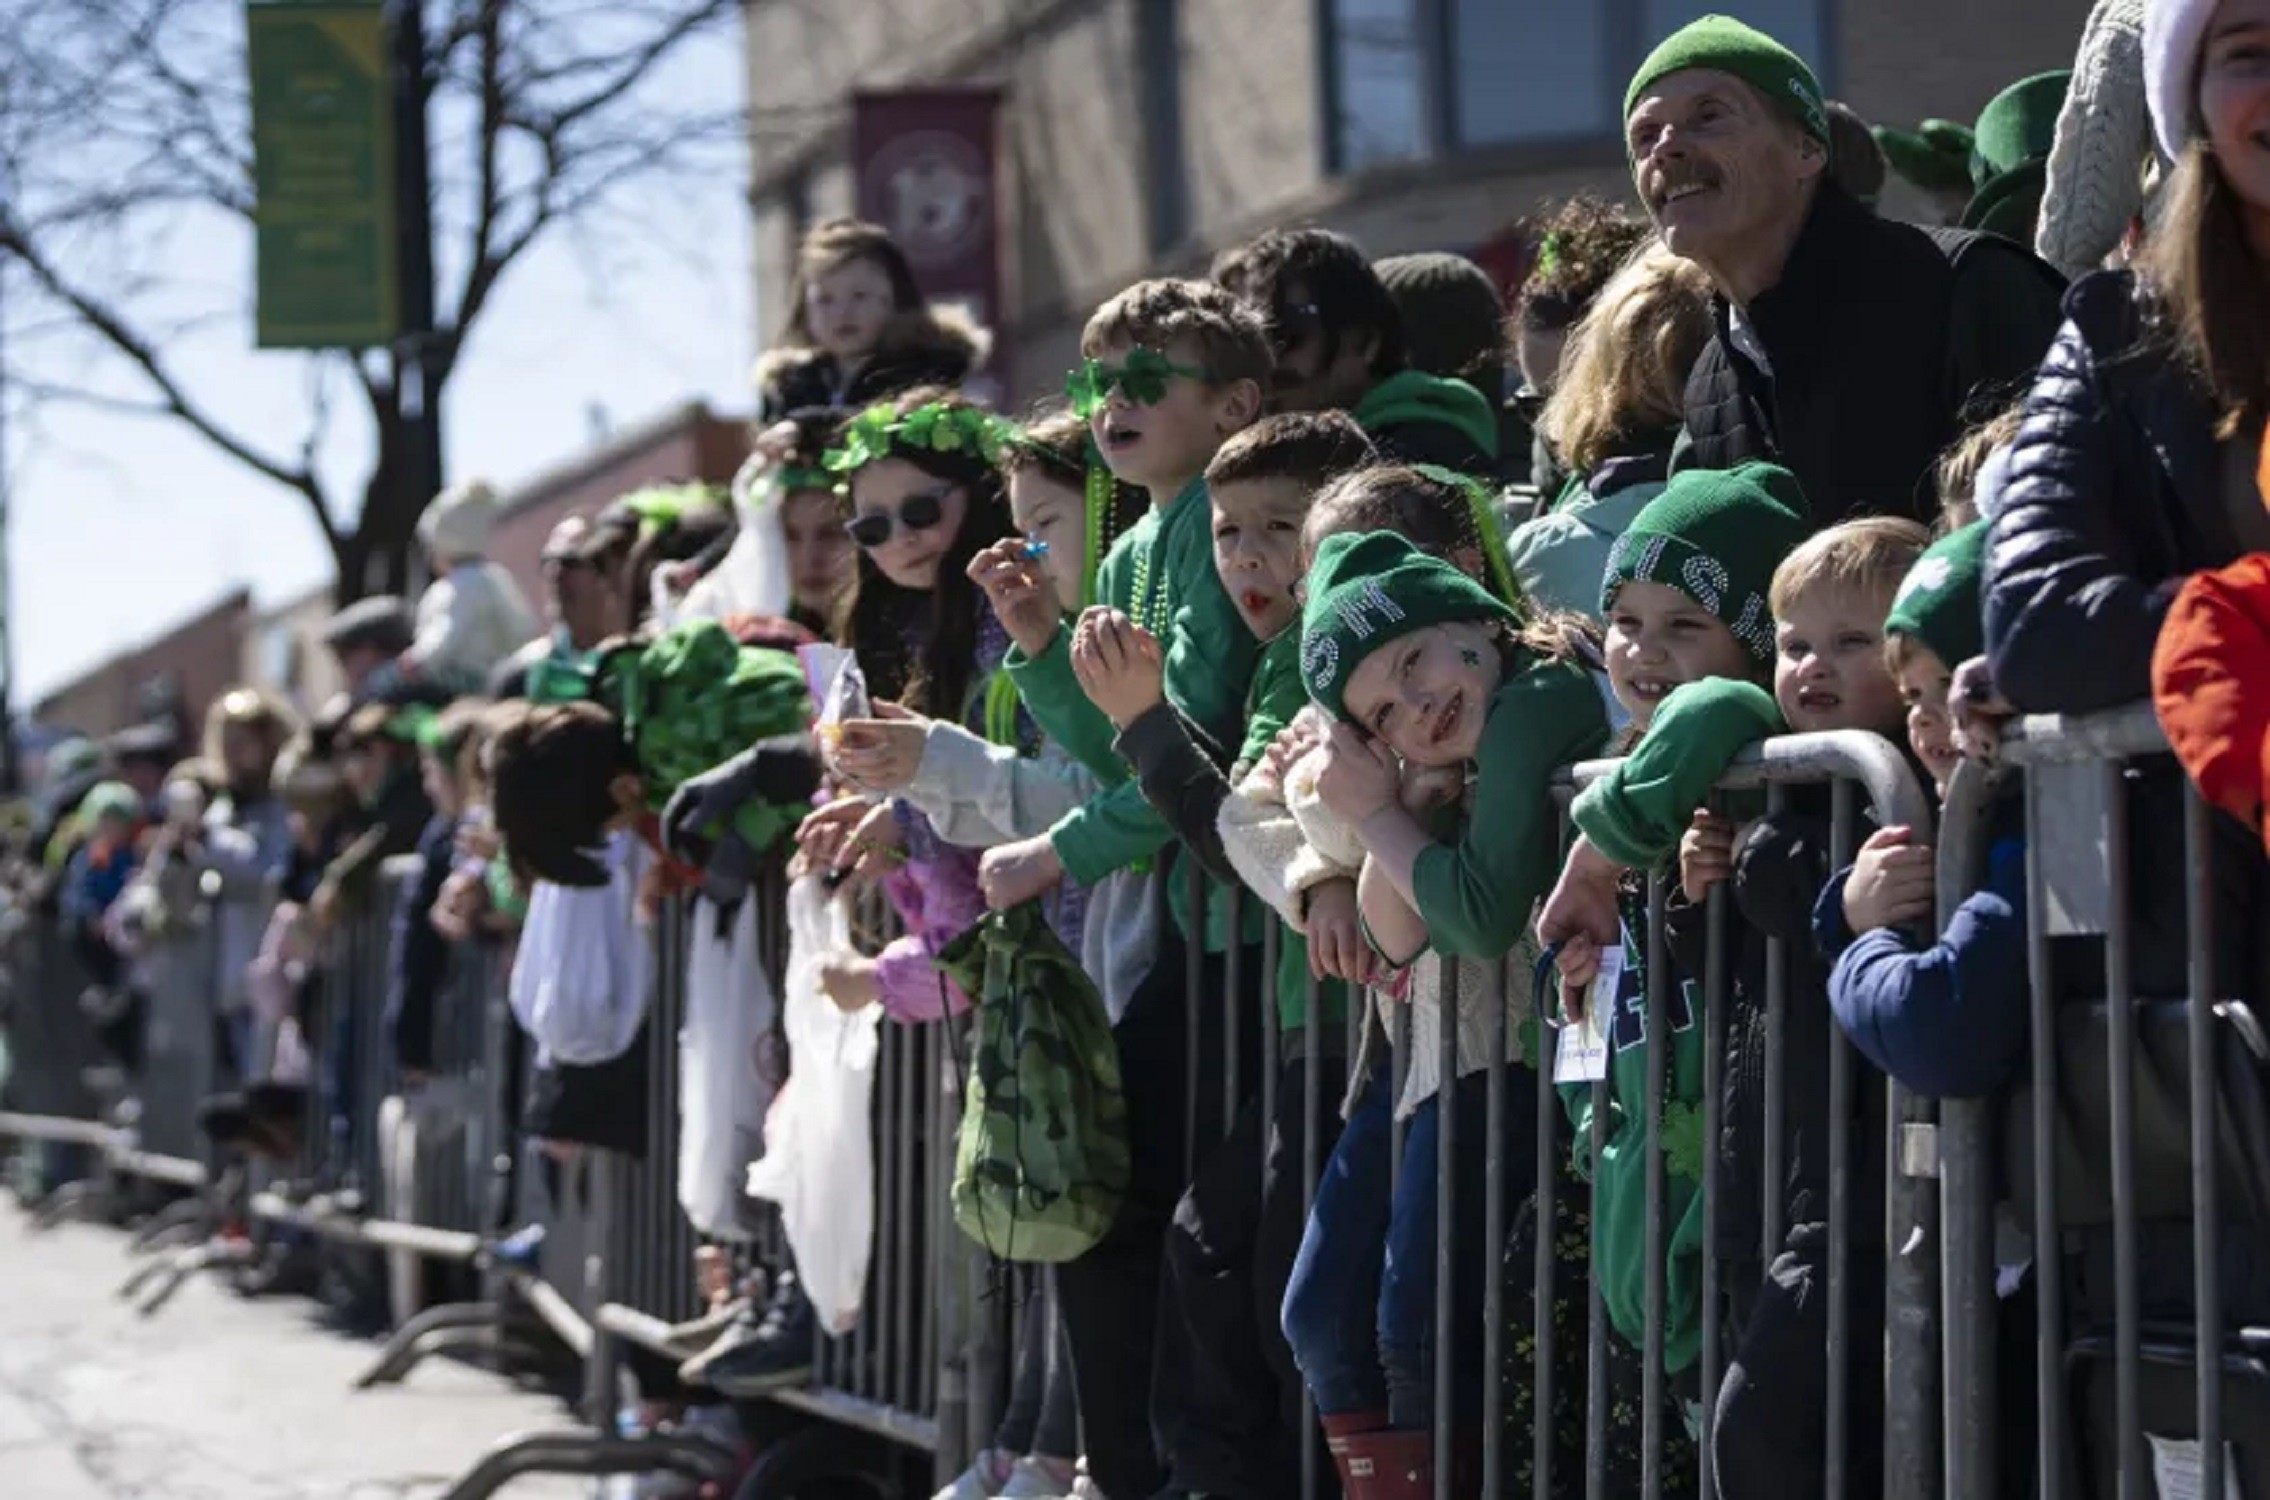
(1406, 80)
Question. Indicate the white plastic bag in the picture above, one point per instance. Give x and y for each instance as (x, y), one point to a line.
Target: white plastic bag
(578, 984)
(722, 1097)
(819, 1162)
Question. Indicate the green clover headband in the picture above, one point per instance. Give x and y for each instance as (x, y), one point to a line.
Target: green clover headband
(939, 427)
(1143, 377)
(788, 479)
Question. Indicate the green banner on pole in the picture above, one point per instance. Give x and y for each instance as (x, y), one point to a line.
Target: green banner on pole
(323, 170)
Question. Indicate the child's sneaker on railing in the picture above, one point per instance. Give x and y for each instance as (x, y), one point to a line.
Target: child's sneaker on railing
(775, 1354)
(984, 1479)
(522, 1250)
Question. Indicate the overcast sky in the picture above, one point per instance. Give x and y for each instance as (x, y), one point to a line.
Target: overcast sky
(121, 525)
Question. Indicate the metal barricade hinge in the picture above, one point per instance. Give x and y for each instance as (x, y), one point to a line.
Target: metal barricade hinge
(1919, 1150)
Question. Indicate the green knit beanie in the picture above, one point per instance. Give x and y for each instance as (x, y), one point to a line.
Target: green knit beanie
(1939, 601)
(1716, 535)
(1728, 46)
(1366, 590)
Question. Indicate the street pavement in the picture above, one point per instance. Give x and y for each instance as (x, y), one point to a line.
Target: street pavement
(218, 1398)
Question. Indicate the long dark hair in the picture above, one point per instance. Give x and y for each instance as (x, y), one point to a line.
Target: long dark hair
(916, 648)
(2212, 301)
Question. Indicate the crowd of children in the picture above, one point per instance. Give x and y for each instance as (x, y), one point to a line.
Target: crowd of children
(1237, 638)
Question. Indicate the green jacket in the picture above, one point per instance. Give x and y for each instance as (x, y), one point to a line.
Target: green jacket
(1619, 1190)
(1638, 812)
(1417, 418)
(1210, 660)
(1476, 894)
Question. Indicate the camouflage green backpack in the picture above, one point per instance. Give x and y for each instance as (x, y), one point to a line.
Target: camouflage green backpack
(1042, 1161)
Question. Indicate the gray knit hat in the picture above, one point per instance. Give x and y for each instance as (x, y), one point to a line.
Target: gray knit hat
(1452, 313)
(2104, 140)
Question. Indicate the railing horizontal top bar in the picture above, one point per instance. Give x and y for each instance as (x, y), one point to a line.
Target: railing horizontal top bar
(176, 1170)
(1848, 754)
(64, 1129)
(868, 1416)
(2117, 734)
(559, 1314)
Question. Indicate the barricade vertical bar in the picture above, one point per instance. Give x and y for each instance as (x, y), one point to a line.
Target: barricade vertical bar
(2049, 1374)
(1399, 1034)
(1716, 1003)
(1970, 1394)
(1775, 1166)
(2120, 1002)
(1446, 1229)
(1493, 998)
(875, 1305)
(1544, 1283)
(1841, 1195)
(916, 1094)
(1658, 1074)
(1233, 977)
(1312, 1168)
(2206, 1209)
(1272, 1043)
(1194, 980)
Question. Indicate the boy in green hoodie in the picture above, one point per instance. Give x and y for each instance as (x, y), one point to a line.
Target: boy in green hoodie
(1172, 370)
(1340, 346)
(1690, 638)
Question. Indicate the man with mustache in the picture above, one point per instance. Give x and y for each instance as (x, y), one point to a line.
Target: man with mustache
(1341, 346)
(1850, 349)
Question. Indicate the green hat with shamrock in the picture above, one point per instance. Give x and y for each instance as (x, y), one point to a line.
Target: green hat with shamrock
(1366, 590)
(1716, 535)
(1726, 45)
(1939, 602)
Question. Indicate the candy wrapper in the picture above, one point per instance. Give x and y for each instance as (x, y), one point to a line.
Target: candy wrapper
(838, 687)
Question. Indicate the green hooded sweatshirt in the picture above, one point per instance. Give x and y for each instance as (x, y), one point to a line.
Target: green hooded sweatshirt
(1415, 399)
(1619, 1192)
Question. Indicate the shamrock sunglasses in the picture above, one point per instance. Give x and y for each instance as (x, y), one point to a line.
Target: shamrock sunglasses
(1143, 377)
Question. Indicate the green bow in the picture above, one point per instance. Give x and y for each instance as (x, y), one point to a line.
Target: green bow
(1144, 378)
(659, 507)
(939, 427)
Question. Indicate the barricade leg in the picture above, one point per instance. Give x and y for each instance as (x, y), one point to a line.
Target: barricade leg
(416, 1340)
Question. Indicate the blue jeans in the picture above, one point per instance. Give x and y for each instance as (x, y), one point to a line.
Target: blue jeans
(1360, 1308)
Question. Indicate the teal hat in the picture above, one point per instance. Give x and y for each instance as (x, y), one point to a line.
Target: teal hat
(1729, 46)
(1366, 590)
(1940, 601)
(110, 799)
(1716, 535)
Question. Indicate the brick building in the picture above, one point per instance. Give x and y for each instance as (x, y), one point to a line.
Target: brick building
(173, 675)
(1142, 135)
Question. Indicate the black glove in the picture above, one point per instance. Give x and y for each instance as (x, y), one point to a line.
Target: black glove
(784, 769)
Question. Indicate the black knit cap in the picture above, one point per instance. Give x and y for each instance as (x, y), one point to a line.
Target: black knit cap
(1452, 313)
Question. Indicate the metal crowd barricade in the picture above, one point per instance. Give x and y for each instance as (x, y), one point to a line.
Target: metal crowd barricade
(51, 1044)
(2147, 1078)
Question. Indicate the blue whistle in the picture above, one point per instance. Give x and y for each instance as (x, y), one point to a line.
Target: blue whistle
(1035, 548)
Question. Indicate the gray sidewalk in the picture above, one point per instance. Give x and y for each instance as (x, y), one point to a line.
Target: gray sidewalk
(217, 1398)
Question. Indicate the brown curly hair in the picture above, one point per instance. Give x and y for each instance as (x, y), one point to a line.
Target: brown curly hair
(1581, 243)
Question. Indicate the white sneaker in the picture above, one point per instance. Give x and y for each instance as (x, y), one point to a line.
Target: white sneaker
(1084, 1488)
(982, 1480)
(1030, 1479)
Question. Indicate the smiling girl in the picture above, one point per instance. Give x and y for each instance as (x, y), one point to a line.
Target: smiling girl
(858, 331)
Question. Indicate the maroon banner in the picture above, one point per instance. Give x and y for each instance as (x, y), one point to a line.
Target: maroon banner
(927, 166)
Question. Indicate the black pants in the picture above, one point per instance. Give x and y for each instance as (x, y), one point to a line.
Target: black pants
(1110, 1297)
(1772, 1435)
(1226, 1395)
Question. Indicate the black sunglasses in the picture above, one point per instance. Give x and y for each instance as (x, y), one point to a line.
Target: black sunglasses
(918, 512)
(1292, 325)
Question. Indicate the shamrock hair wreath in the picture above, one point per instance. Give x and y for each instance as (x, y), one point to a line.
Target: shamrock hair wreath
(937, 427)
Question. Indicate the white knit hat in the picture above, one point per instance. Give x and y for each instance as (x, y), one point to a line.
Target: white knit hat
(2104, 138)
(2173, 32)
(457, 523)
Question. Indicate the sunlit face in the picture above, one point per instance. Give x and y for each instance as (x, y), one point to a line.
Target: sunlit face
(1427, 693)
(1925, 683)
(1048, 510)
(896, 490)
(2234, 101)
(846, 306)
(1660, 639)
(1257, 545)
(1540, 350)
(1715, 164)
(819, 553)
(1163, 446)
(246, 754)
(1829, 668)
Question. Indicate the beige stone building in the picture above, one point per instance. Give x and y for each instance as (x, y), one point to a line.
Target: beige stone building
(1140, 136)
